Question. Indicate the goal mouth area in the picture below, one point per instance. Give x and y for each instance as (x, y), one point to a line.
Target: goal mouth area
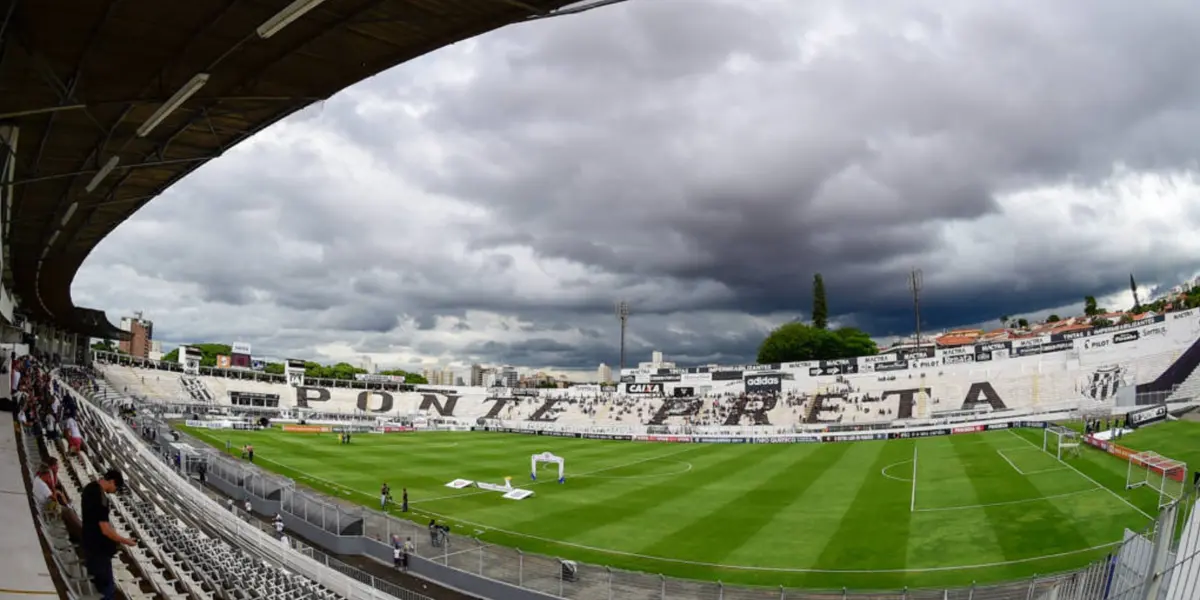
(1159, 473)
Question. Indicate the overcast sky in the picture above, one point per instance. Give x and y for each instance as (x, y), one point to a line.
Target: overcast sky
(701, 159)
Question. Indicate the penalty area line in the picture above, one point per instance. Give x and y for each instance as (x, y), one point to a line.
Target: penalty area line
(1006, 503)
(1094, 482)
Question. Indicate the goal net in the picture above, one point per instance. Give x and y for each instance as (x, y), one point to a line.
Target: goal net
(1159, 473)
(1060, 442)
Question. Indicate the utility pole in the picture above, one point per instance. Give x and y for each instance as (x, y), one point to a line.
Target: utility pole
(916, 281)
(623, 316)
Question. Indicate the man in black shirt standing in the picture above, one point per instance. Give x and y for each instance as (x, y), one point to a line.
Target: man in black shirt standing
(100, 539)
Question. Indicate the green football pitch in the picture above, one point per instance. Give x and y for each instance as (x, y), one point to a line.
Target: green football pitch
(975, 508)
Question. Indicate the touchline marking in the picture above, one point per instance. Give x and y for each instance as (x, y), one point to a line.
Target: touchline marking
(970, 506)
(681, 561)
(884, 471)
(1094, 482)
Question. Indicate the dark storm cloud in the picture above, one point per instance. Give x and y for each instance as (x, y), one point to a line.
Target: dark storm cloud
(838, 165)
(701, 159)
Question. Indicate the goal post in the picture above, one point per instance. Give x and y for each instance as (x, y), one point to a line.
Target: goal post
(1164, 475)
(1060, 442)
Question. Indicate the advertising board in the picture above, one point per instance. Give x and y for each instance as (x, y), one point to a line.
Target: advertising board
(293, 428)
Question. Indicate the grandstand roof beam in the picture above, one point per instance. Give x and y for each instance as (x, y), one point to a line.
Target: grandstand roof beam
(12, 8)
(66, 91)
(524, 6)
(579, 8)
(289, 51)
(142, 165)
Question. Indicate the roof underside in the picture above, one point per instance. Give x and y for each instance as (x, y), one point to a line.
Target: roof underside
(79, 78)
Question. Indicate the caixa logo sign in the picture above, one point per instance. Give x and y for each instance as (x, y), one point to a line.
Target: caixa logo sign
(645, 388)
(763, 382)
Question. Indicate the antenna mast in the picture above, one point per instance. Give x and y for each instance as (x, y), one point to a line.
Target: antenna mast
(623, 316)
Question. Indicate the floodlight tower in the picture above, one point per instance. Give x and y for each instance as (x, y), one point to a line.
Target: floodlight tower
(916, 280)
(623, 317)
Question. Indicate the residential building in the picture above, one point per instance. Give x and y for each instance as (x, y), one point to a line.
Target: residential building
(604, 373)
(141, 331)
(477, 372)
(156, 352)
(508, 377)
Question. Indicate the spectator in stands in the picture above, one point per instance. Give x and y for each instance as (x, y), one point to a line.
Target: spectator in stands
(408, 550)
(74, 437)
(279, 525)
(59, 491)
(51, 426)
(43, 490)
(249, 507)
(100, 539)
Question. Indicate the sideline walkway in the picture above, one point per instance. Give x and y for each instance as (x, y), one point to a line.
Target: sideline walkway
(23, 570)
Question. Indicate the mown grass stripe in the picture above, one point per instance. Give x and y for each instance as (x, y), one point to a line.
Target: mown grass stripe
(875, 529)
(631, 502)
(725, 528)
(1022, 530)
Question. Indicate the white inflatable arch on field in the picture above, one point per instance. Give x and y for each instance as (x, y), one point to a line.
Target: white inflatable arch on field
(546, 457)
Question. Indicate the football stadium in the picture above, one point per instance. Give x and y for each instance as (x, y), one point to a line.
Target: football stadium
(1052, 461)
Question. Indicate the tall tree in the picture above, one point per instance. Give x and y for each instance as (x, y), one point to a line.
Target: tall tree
(796, 341)
(820, 309)
(1089, 306)
(1137, 303)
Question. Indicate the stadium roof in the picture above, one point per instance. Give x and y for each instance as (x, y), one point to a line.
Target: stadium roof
(117, 100)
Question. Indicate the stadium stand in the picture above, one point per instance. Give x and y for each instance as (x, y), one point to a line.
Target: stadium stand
(552, 577)
(1108, 369)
